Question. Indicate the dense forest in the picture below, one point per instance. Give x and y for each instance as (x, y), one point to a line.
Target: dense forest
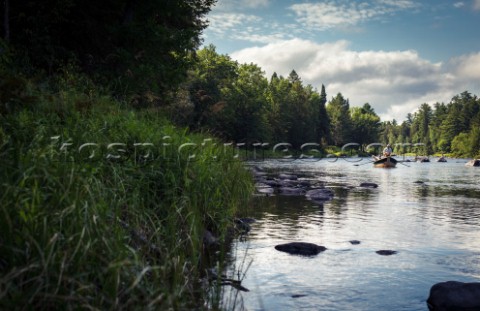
(237, 102)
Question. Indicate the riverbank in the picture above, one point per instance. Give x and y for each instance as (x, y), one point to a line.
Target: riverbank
(105, 207)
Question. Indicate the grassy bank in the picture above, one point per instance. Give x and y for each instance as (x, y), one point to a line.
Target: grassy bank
(103, 207)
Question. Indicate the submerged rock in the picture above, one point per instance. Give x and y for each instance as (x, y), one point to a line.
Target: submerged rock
(453, 296)
(354, 242)
(320, 194)
(304, 183)
(298, 296)
(291, 191)
(301, 248)
(368, 185)
(386, 252)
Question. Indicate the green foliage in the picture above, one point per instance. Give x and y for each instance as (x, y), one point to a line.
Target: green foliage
(365, 124)
(231, 104)
(475, 141)
(323, 125)
(102, 226)
(236, 102)
(243, 117)
(204, 104)
(133, 46)
(294, 110)
(16, 93)
(461, 144)
(443, 128)
(341, 122)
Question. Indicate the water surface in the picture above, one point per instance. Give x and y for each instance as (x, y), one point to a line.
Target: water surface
(428, 212)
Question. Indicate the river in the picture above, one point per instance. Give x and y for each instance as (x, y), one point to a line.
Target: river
(428, 212)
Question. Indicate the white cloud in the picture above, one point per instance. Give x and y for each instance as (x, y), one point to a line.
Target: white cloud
(467, 66)
(247, 27)
(340, 13)
(256, 3)
(393, 82)
(476, 4)
(401, 4)
(327, 15)
(221, 23)
(259, 38)
(225, 5)
(459, 4)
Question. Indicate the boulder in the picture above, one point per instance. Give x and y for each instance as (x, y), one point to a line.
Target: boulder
(301, 248)
(320, 194)
(454, 296)
(354, 242)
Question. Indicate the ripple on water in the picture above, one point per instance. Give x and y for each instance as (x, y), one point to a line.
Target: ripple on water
(434, 227)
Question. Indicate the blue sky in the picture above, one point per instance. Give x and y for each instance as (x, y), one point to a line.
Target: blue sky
(393, 54)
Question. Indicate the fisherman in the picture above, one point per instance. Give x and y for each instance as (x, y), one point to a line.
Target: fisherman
(387, 151)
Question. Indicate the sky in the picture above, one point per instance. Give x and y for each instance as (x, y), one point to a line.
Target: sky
(393, 54)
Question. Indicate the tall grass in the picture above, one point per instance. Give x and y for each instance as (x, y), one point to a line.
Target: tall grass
(108, 227)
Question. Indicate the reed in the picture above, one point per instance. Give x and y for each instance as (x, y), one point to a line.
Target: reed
(108, 227)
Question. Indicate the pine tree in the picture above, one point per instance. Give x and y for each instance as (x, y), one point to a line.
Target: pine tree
(323, 128)
(340, 121)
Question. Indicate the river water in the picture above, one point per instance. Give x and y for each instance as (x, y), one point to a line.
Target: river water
(428, 212)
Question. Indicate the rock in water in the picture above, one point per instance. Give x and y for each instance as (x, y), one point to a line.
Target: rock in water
(301, 248)
(298, 296)
(368, 185)
(291, 191)
(320, 194)
(386, 252)
(454, 296)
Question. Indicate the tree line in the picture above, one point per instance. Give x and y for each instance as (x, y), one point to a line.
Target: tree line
(444, 128)
(239, 103)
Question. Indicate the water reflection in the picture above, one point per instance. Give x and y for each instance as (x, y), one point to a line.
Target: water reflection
(429, 213)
